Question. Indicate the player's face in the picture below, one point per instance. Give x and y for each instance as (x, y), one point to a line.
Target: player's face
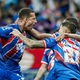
(32, 18)
(64, 29)
(30, 21)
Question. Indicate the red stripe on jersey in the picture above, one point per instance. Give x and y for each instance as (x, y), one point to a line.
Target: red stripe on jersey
(60, 44)
(19, 41)
(49, 54)
(69, 40)
(75, 48)
(10, 53)
(58, 56)
(49, 67)
(5, 41)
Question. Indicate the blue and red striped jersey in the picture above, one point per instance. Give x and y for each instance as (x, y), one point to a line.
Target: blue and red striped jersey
(67, 57)
(11, 47)
(48, 58)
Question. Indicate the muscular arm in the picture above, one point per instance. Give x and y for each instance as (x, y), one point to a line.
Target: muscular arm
(32, 43)
(38, 35)
(29, 42)
(41, 72)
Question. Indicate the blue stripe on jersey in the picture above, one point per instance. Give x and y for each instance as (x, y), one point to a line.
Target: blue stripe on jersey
(59, 50)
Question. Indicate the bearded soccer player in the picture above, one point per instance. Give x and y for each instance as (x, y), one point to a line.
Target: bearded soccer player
(12, 48)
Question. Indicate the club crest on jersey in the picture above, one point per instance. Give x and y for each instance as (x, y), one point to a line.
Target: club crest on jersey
(20, 47)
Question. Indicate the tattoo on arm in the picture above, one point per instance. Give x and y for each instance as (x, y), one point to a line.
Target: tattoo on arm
(32, 43)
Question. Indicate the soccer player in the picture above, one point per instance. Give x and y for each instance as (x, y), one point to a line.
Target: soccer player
(45, 60)
(47, 57)
(12, 48)
(67, 53)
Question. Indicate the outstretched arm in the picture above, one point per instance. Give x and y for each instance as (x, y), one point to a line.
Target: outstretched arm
(29, 42)
(38, 35)
(33, 32)
(41, 71)
(75, 36)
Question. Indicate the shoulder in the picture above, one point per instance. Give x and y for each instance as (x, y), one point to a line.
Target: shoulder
(5, 27)
(14, 26)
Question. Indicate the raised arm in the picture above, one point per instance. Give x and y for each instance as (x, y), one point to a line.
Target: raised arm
(38, 35)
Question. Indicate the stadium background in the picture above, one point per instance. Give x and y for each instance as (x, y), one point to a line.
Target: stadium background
(49, 14)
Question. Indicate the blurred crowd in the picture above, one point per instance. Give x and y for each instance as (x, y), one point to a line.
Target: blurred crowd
(49, 13)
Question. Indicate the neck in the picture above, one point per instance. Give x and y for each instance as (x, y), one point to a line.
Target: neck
(21, 29)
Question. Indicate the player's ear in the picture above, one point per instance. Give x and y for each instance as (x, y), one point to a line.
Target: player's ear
(23, 22)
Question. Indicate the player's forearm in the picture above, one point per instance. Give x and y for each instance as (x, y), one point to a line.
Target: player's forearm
(40, 73)
(25, 40)
(39, 35)
(75, 36)
(31, 43)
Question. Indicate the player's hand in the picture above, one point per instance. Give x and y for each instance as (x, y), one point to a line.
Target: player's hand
(60, 37)
(15, 32)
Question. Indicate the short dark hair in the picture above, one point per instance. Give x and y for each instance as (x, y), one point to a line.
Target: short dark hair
(70, 25)
(72, 19)
(25, 12)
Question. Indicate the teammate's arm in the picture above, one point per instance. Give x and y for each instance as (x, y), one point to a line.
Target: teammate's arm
(69, 35)
(38, 35)
(75, 36)
(41, 71)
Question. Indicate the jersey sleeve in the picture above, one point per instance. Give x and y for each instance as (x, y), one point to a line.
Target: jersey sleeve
(16, 26)
(5, 31)
(49, 42)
